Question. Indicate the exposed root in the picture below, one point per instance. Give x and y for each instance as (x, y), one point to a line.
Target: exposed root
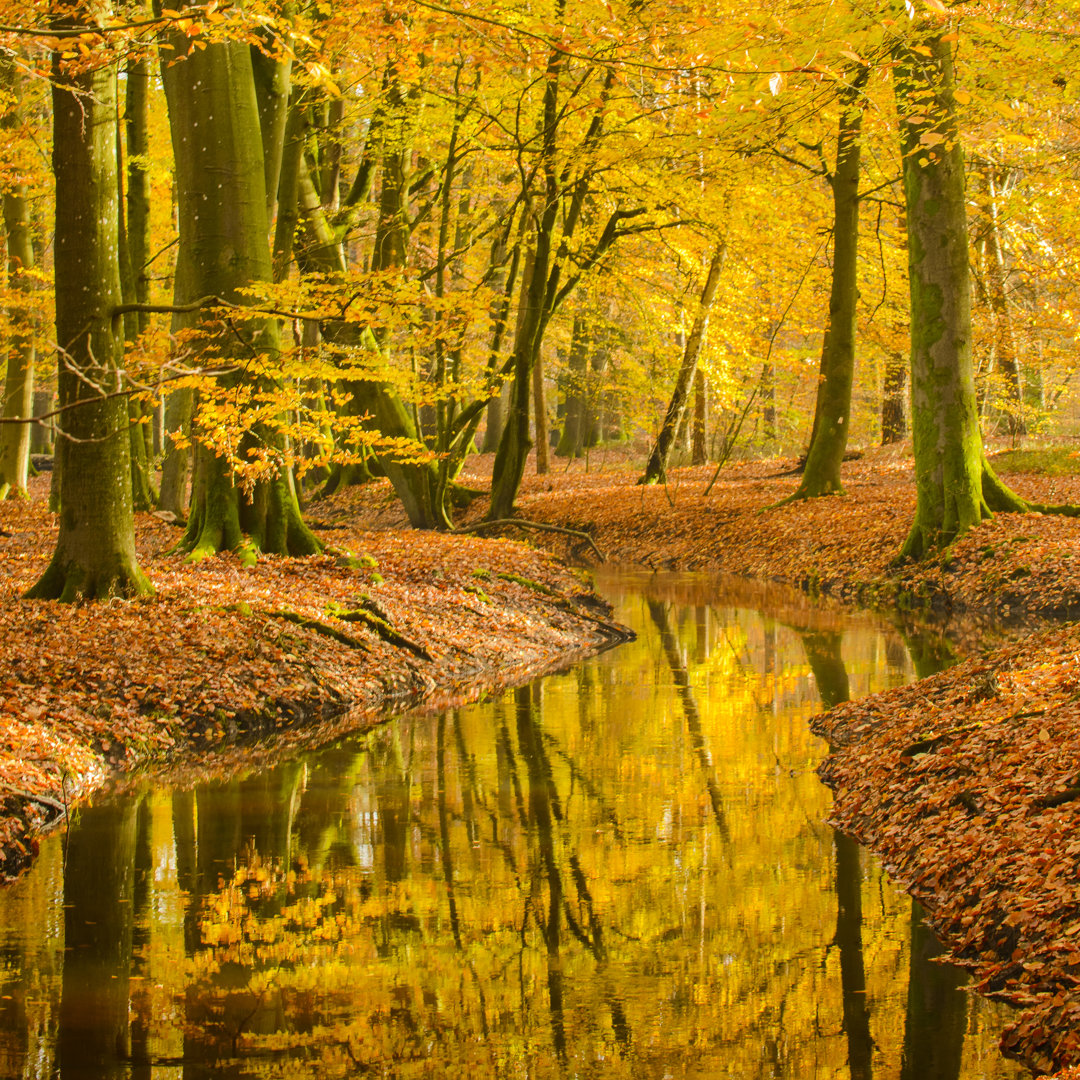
(539, 526)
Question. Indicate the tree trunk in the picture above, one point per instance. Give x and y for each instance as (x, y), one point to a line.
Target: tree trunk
(893, 413)
(572, 439)
(656, 467)
(955, 485)
(832, 416)
(95, 549)
(272, 76)
(1004, 344)
(540, 417)
(143, 496)
(41, 434)
(221, 189)
(415, 483)
(698, 453)
(175, 469)
(18, 401)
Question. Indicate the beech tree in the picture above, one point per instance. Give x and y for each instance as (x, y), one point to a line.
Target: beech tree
(832, 412)
(220, 157)
(955, 484)
(95, 549)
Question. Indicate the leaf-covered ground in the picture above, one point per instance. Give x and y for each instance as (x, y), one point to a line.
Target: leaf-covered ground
(224, 656)
(982, 759)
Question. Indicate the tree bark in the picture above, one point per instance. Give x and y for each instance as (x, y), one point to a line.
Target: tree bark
(893, 413)
(1004, 342)
(572, 439)
(95, 549)
(698, 452)
(221, 189)
(19, 380)
(656, 467)
(832, 415)
(956, 487)
(143, 495)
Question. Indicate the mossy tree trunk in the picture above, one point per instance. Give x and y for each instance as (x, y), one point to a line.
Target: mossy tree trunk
(18, 402)
(95, 549)
(221, 190)
(656, 467)
(955, 485)
(832, 414)
(134, 241)
(415, 483)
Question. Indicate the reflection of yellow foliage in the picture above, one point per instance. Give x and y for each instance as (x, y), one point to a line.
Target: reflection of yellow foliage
(701, 930)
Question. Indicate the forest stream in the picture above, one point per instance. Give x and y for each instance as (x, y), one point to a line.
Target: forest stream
(622, 870)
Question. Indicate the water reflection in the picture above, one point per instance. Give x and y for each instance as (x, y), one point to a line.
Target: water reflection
(622, 871)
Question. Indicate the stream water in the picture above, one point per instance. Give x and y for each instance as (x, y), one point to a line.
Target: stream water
(619, 871)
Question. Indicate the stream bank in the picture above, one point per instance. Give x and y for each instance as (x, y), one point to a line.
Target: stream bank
(289, 653)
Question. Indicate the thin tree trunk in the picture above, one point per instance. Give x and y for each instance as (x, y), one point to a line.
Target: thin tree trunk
(893, 413)
(572, 440)
(656, 467)
(1005, 356)
(176, 468)
(143, 496)
(698, 453)
(540, 418)
(18, 390)
(832, 415)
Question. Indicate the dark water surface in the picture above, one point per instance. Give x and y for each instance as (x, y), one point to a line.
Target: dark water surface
(621, 871)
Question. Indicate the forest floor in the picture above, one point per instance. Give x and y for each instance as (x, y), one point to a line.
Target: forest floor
(227, 664)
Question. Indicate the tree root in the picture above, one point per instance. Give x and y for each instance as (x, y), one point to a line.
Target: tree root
(1059, 798)
(539, 526)
(383, 628)
(53, 804)
(318, 626)
(931, 742)
(617, 632)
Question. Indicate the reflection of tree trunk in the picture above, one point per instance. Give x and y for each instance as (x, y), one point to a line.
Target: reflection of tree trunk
(659, 614)
(444, 827)
(99, 878)
(141, 938)
(268, 804)
(936, 1010)
(852, 972)
(543, 811)
(830, 674)
(930, 652)
(392, 799)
